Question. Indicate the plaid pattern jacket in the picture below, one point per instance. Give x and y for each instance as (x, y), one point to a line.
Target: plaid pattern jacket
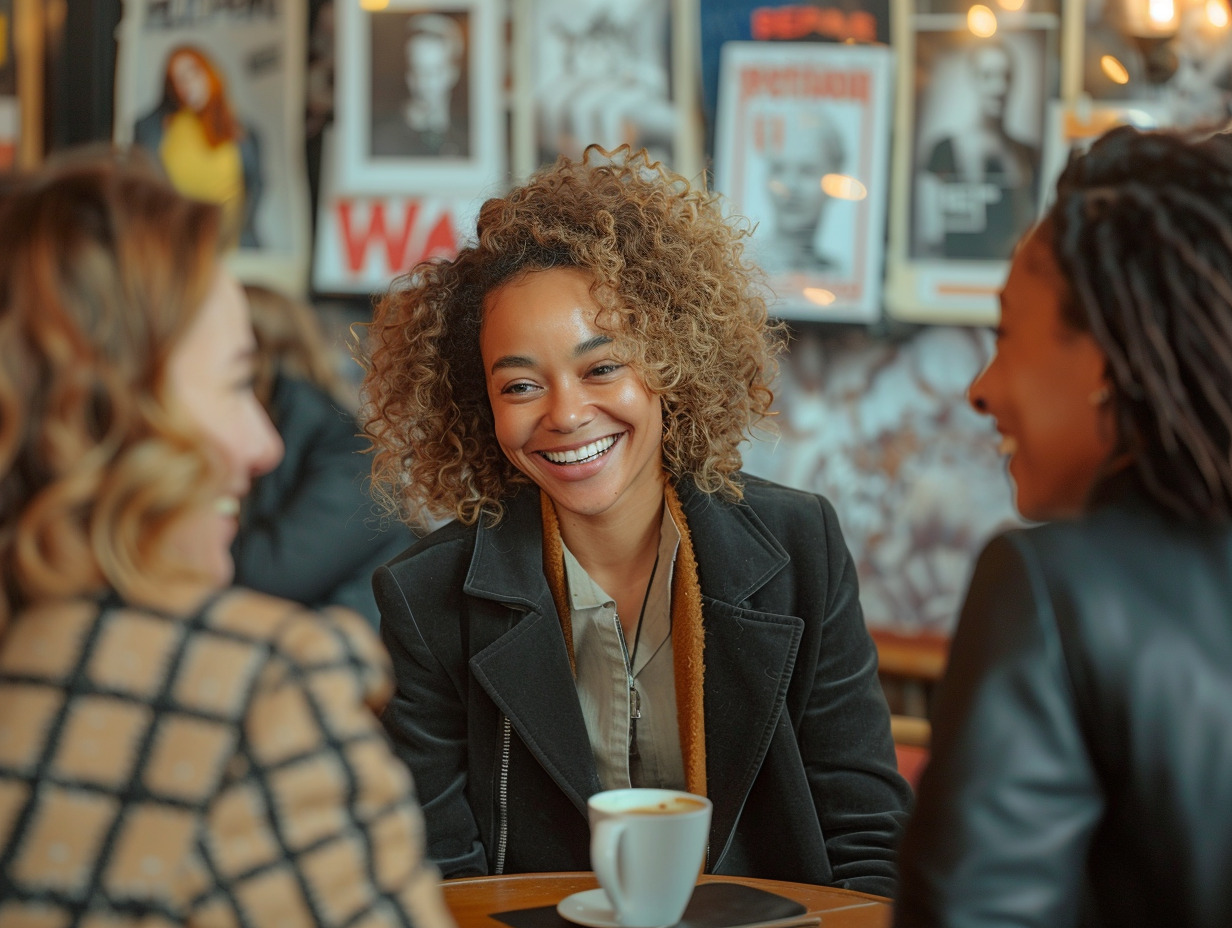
(225, 769)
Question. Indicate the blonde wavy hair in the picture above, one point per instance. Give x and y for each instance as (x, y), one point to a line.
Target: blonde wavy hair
(102, 269)
(674, 288)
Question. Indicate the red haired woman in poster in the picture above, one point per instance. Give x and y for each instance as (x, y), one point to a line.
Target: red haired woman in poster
(207, 153)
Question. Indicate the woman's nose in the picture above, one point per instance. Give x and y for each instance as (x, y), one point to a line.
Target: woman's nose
(977, 392)
(569, 410)
(267, 446)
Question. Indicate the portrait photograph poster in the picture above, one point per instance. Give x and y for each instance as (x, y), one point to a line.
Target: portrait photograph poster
(607, 74)
(969, 131)
(418, 97)
(250, 57)
(802, 150)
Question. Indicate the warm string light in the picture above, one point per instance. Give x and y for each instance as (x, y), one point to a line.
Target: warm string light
(1113, 69)
(843, 187)
(981, 21)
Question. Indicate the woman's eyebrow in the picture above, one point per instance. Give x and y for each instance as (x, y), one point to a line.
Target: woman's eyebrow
(597, 341)
(582, 348)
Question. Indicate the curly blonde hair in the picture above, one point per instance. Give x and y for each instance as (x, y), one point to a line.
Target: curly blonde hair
(102, 269)
(672, 282)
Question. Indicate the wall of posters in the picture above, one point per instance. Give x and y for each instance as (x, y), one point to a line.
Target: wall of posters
(419, 96)
(802, 149)
(216, 92)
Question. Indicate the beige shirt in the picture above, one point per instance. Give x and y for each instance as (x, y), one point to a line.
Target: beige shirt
(603, 681)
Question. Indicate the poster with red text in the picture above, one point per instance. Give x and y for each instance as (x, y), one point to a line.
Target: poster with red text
(365, 240)
(802, 151)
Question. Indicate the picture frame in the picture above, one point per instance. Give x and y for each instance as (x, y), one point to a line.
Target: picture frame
(967, 170)
(216, 95)
(802, 151)
(418, 97)
(604, 73)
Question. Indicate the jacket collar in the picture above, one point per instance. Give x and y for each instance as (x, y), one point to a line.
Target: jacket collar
(736, 553)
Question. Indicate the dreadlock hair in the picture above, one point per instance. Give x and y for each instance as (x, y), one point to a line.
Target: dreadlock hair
(1142, 229)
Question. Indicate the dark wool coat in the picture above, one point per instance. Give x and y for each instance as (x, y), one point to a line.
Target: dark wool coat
(800, 762)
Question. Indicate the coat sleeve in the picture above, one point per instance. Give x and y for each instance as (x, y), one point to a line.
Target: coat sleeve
(427, 722)
(846, 744)
(1007, 806)
(316, 823)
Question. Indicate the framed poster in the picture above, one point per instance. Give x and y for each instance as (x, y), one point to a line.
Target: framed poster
(419, 97)
(216, 92)
(802, 149)
(597, 72)
(968, 159)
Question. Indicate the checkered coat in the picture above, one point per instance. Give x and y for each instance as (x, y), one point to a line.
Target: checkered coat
(224, 769)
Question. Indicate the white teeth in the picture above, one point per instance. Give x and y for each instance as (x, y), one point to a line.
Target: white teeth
(227, 506)
(580, 455)
(1008, 445)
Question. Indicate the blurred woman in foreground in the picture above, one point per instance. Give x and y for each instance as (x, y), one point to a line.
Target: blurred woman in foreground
(1082, 736)
(173, 751)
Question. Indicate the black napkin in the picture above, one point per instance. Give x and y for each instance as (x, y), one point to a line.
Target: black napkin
(714, 905)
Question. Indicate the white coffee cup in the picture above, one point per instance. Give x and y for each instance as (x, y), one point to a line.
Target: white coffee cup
(647, 848)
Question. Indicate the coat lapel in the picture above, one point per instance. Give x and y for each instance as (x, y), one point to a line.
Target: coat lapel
(749, 655)
(521, 661)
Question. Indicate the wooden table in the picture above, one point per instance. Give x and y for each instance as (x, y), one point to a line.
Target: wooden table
(474, 900)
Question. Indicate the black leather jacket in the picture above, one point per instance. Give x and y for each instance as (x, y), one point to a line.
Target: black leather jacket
(800, 762)
(1082, 758)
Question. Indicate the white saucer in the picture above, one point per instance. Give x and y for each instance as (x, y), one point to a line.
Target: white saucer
(590, 907)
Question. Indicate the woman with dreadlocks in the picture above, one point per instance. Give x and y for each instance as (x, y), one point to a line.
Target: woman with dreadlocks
(1082, 736)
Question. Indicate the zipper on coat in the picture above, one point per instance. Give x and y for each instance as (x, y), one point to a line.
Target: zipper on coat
(502, 797)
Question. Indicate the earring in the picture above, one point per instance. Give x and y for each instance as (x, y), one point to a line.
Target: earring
(1100, 396)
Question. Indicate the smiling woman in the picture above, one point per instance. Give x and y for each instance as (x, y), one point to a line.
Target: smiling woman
(615, 603)
(1081, 735)
(167, 741)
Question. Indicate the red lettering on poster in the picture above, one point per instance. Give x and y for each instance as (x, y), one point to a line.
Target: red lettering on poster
(793, 81)
(442, 241)
(393, 237)
(376, 234)
(801, 21)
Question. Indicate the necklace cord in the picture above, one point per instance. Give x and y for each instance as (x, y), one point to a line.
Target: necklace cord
(637, 636)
